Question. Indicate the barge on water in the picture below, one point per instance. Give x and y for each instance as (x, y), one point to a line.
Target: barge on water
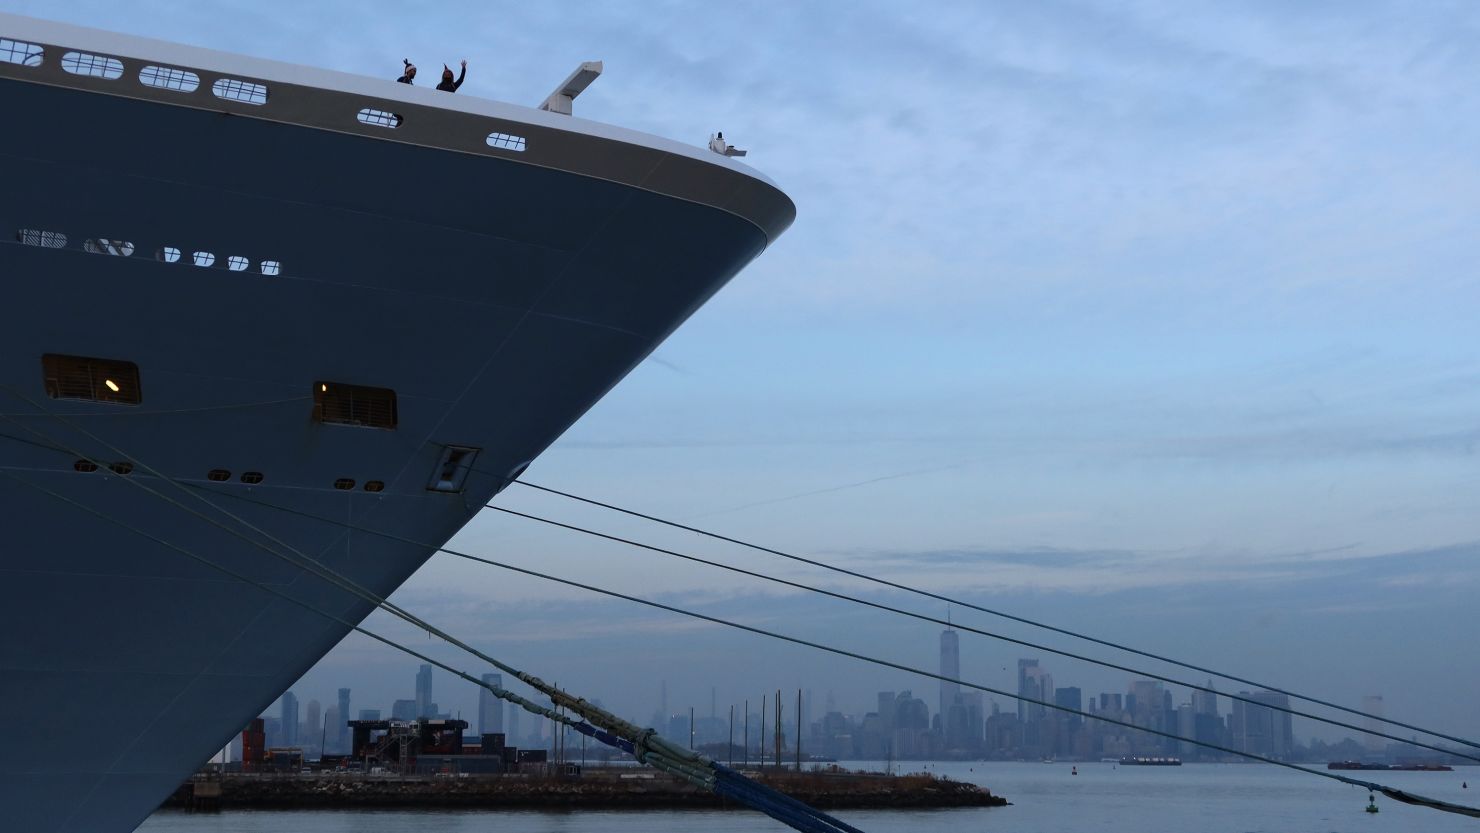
(1390, 767)
(1139, 760)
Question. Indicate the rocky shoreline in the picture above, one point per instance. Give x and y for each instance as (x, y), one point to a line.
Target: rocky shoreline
(595, 789)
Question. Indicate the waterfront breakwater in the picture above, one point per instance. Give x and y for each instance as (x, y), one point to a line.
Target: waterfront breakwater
(617, 788)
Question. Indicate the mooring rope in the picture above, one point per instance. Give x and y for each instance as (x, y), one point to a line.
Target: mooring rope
(998, 636)
(648, 746)
(1409, 798)
(993, 612)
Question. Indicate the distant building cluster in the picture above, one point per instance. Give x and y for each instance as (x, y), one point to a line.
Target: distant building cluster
(319, 732)
(967, 725)
(1047, 722)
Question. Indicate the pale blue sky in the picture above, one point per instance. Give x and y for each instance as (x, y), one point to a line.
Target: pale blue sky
(1166, 310)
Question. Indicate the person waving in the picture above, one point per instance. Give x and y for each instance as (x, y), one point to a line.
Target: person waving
(449, 85)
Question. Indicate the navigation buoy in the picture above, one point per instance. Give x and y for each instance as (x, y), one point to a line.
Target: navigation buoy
(1371, 803)
(1465, 785)
(1074, 770)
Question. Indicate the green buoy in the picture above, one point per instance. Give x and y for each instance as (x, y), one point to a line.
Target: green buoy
(1372, 803)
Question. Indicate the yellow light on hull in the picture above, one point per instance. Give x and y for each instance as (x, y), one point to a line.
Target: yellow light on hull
(112, 385)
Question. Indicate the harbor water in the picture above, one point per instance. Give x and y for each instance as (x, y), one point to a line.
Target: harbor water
(1046, 798)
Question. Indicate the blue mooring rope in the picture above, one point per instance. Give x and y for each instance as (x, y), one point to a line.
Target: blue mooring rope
(732, 785)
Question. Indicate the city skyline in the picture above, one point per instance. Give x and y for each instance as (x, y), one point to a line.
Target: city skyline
(964, 724)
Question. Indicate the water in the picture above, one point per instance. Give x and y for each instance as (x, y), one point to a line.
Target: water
(1102, 798)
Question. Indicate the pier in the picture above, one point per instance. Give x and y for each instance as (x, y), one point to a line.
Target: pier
(604, 788)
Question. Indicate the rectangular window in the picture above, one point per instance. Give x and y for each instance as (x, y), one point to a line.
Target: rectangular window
(98, 380)
(340, 404)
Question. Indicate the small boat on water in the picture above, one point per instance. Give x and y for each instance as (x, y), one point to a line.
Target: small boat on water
(1140, 760)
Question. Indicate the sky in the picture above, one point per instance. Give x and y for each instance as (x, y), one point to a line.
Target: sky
(1152, 319)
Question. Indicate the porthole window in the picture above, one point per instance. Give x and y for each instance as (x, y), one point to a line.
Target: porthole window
(246, 92)
(204, 259)
(344, 484)
(506, 141)
(104, 246)
(375, 485)
(341, 404)
(251, 477)
(379, 118)
(85, 466)
(98, 380)
(169, 254)
(169, 78)
(271, 267)
(237, 263)
(124, 467)
(20, 52)
(218, 475)
(44, 239)
(97, 66)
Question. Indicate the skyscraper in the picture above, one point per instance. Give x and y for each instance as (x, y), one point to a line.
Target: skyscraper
(1372, 704)
(289, 719)
(331, 732)
(1033, 684)
(490, 708)
(1205, 702)
(513, 733)
(313, 726)
(1070, 697)
(886, 710)
(403, 710)
(1281, 732)
(424, 692)
(950, 666)
(341, 729)
(1260, 729)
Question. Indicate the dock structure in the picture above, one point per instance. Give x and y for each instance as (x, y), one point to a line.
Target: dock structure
(594, 788)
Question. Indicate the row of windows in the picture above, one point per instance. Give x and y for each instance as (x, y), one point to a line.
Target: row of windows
(251, 478)
(111, 69)
(124, 248)
(185, 81)
(385, 118)
(86, 466)
(116, 382)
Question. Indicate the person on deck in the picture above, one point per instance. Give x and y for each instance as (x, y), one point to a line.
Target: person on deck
(448, 85)
(409, 76)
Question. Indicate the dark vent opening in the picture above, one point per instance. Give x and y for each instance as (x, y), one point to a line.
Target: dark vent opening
(124, 467)
(344, 483)
(218, 475)
(85, 466)
(375, 485)
(98, 380)
(250, 477)
(340, 404)
(452, 470)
